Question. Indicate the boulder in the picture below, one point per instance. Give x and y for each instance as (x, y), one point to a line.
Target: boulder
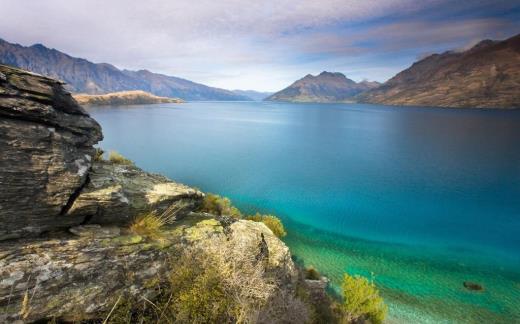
(46, 145)
(117, 193)
(76, 277)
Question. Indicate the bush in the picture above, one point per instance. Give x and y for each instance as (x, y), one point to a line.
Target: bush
(220, 206)
(312, 274)
(272, 222)
(362, 300)
(117, 158)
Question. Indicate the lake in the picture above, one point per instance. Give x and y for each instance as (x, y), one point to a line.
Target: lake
(422, 199)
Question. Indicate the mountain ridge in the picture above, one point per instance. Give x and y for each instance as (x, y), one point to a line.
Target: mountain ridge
(325, 87)
(485, 76)
(83, 76)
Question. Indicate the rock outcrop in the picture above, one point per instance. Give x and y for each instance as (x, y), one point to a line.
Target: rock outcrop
(71, 277)
(485, 76)
(46, 141)
(86, 258)
(123, 98)
(117, 193)
(325, 87)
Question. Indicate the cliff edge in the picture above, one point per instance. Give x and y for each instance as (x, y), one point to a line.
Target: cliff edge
(76, 241)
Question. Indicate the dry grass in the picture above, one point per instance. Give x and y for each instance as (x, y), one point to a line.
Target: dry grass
(117, 158)
(150, 223)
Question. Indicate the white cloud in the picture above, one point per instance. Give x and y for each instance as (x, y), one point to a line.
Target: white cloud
(226, 43)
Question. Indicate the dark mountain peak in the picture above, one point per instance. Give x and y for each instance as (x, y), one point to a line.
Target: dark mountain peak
(332, 74)
(483, 44)
(485, 75)
(39, 46)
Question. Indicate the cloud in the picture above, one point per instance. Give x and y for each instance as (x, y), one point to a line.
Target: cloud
(232, 43)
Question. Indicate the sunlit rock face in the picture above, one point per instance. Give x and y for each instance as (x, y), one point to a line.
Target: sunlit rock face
(117, 193)
(46, 145)
(81, 275)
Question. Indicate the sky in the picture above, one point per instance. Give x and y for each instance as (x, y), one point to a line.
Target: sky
(263, 45)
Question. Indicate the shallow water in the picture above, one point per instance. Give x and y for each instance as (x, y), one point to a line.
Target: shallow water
(423, 198)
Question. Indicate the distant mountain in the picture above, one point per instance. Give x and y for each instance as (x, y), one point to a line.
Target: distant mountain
(325, 87)
(253, 95)
(485, 76)
(83, 76)
(133, 97)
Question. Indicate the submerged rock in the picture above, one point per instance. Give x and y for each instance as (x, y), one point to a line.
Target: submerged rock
(472, 286)
(46, 145)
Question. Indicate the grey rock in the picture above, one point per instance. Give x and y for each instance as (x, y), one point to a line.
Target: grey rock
(46, 141)
(75, 278)
(118, 193)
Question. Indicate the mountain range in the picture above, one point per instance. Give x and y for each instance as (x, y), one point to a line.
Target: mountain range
(484, 76)
(83, 76)
(325, 87)
(254, 95)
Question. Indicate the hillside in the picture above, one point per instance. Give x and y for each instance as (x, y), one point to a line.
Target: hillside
(136, 97)
(325, 87)
(254, 95)
(83, 76)
(485, 76)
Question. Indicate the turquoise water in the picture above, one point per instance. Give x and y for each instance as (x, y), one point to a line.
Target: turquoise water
(423, 198)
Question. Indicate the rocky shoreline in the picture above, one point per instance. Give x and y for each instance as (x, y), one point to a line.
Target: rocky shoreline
(123, 98)
(67, 252)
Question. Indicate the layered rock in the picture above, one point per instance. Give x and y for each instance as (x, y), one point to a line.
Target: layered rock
(86, 258)
(71, 277)
(46, 141)
(117, 193)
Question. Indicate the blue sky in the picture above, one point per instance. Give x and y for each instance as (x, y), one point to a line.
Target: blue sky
(262, 45)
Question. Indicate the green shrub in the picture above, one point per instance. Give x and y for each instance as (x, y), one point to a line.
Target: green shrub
(312, 274)
(271, 221)
(220, 206)
(199, 294)
(117, 158)
(362, 300)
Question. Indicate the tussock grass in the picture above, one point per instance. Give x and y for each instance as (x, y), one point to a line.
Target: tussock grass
(98, 154)
(117, 158)
(149, 224)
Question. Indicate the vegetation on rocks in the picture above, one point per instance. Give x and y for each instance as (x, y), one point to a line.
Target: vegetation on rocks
(220, 206)
(98, 154)
(312, 274)
(362, 300)
(117, 158)
(271, 221)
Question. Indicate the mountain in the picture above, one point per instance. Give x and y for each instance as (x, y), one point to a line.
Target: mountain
(133, 97)
(485, 76)
(325, 87)
(83, 76)
(254, 95)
